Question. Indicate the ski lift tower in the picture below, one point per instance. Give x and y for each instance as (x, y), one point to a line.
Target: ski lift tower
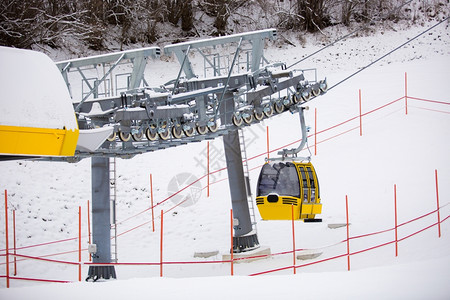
(238, 89)
(93, 105)
(247, 58)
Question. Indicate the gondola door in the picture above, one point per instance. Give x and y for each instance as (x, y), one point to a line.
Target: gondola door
(310, 191)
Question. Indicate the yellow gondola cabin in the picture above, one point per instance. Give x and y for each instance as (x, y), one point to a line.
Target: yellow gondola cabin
(283, 184)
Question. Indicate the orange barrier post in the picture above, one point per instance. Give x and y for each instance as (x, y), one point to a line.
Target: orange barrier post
(232, 244)
(395, 210)
(79, 243)
(89, 226)
(7, 243)
(14, 238)
(293, 237)
(360, 114)
(406, 93)
(267, 138)
(315, 131)
(437, 200)
(161, 246)
(348, 234)
(207, 168)
(151, 202)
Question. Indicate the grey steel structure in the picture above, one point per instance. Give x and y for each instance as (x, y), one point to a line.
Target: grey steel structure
(187, 108)
(237, 90)
(101, 232)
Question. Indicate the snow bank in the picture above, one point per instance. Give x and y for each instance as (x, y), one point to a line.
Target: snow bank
(425, 278)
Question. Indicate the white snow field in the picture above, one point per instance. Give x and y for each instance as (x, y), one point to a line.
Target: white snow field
(395, 148)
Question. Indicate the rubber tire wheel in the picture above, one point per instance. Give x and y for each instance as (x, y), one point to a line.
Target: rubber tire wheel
(137, 137)
(270, 112)
(316, 92)
(124, 137)
(259, 116)
(151, 136)
(177, 132)
(188, 132)
(248, 120)
(325, 88)
(278, 107)
(202, 130)
(213, 128)
(164, 135)
(112, 137)
(237, 121)
(306, 98)
(289, 102)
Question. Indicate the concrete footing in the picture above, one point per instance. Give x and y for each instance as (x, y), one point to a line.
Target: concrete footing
(262, 251)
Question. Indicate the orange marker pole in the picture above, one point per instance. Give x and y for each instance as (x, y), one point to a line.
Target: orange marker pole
(7, 240)
(348, 234)
(406, 93)
(14, 237)
(437, 200)
(293, 238)
(161, 246)
(360, 114)
(315, 131)
(395, 208)
(79, 243)
(207, 167)
(89, 225)
(232, 244)
(151, 202)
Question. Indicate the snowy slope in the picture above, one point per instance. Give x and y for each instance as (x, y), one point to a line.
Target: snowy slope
(395, 149)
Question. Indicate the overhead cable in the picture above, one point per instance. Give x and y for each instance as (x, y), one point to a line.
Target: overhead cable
(346, 36)
(389, 53)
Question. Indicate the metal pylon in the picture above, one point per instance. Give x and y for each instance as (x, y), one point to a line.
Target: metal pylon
(113, 197)
(251, 206)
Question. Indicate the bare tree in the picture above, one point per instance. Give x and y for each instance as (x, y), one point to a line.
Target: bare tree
(27, 22)
(221, 10)
(313, 14)
(24, 23)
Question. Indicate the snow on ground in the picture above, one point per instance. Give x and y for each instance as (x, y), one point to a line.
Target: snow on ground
(395, 149)
(375, 283)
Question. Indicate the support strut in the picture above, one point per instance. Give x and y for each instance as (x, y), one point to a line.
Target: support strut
(101, 222)
(244, 238)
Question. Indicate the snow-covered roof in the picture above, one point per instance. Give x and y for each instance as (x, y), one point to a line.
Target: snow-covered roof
(34, 93)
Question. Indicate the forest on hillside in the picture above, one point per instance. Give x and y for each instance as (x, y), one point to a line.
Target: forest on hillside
(98, 23)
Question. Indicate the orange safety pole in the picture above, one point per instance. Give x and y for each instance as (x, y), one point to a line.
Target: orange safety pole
(315, 131)
(293, 237)
(267, 138)
(161, 246)
(360, 114)
(232, 244)
(395, 209)
(348, 234)
(89, 227)
(79, 243)
(406, 93)
(151, 202)
(14, 237)
(437, 200)
(7, 241)
(207, 167)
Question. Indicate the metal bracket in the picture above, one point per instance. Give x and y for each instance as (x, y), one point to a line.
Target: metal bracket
(291, 154)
